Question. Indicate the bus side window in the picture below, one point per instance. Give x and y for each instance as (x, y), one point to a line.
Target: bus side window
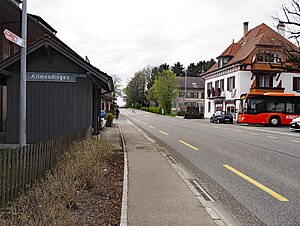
(290, 107)
(297, 110)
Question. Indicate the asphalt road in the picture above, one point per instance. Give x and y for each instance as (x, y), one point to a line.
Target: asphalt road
(252, 171)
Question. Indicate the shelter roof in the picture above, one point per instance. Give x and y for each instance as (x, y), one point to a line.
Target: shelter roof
(102, 79)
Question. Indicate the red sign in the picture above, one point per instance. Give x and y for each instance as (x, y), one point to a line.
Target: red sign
(13, 38)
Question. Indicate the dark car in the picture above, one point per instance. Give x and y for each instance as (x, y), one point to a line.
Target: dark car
(222, 117)
(295, 124)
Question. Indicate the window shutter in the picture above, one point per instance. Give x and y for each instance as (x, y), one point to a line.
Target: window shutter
(294, 83)
(228, 84)
(271, 82)
(233, 82)
(222, 84)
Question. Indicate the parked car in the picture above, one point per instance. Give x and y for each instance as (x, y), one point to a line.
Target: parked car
(295, 124)
(221, 117)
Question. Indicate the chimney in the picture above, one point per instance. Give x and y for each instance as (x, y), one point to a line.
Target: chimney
(281, 28)
(245, 28)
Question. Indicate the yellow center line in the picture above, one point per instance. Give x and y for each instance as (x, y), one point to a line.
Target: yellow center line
(163, 132)
(272, 137)
(190, 146)
(296, 141)
(253, 134)
(257, 184)
(151, 127)
(225, 128)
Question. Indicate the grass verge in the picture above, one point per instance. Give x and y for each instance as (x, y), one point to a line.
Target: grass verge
(64, 195)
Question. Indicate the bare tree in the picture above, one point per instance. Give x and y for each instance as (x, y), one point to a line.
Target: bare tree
(117, 86)
(289, 22)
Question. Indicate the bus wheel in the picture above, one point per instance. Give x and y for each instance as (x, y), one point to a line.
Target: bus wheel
(274, 121)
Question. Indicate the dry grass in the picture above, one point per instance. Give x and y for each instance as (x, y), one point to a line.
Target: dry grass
(54, 199)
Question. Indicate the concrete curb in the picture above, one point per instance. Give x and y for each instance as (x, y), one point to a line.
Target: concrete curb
(125, 183)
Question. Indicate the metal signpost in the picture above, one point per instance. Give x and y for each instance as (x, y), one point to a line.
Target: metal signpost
(22, 43)
(22, 139)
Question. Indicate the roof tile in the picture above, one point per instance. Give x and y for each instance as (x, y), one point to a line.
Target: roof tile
(261, 35)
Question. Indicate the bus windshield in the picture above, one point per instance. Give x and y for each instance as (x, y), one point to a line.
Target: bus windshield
(255, 105)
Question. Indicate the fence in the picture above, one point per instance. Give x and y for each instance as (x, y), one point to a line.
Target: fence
(20, 167)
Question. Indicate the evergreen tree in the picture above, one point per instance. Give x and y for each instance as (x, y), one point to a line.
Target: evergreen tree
(178, 69)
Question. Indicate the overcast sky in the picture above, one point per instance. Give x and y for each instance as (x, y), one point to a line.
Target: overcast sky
(123, 36)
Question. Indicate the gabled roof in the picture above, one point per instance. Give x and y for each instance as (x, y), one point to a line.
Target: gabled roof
(42, 22)
(10, 11)
(191, 82)
(260, 36)
(104, 80)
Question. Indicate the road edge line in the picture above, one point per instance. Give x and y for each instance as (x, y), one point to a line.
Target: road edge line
(124, 208)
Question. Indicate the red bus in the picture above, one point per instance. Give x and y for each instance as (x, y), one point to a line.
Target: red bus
(269, 108)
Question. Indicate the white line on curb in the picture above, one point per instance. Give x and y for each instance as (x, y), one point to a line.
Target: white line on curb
(125, 184)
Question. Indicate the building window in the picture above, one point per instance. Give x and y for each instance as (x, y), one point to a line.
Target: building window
(264, 81)
(296, 83)
(217, 84)
(265, 56)
(201, 107)
(209, 107)
(220, 63)
(222, 84)
(230, 83)
(209, 89)
(192, 95)
(194, 85)
(202, 95)
(181, 94)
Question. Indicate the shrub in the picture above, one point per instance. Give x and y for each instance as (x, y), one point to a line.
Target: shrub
(154, 110)
(171, 114)
(181, 113)
(144, 109)
(137, 105)
(201, 115)
(109, 117)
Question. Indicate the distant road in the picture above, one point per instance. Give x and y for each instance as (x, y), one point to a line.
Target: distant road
(254, 172)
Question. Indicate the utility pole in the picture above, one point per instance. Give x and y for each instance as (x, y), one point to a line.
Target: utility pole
(185, 78)
(22, 128)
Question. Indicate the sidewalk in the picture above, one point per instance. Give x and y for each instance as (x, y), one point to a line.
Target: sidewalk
(156, 193)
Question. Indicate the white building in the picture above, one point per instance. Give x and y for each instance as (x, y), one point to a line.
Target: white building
(250, 65)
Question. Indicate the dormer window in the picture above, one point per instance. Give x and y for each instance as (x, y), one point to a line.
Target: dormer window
(220, 63)
(223, 61)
